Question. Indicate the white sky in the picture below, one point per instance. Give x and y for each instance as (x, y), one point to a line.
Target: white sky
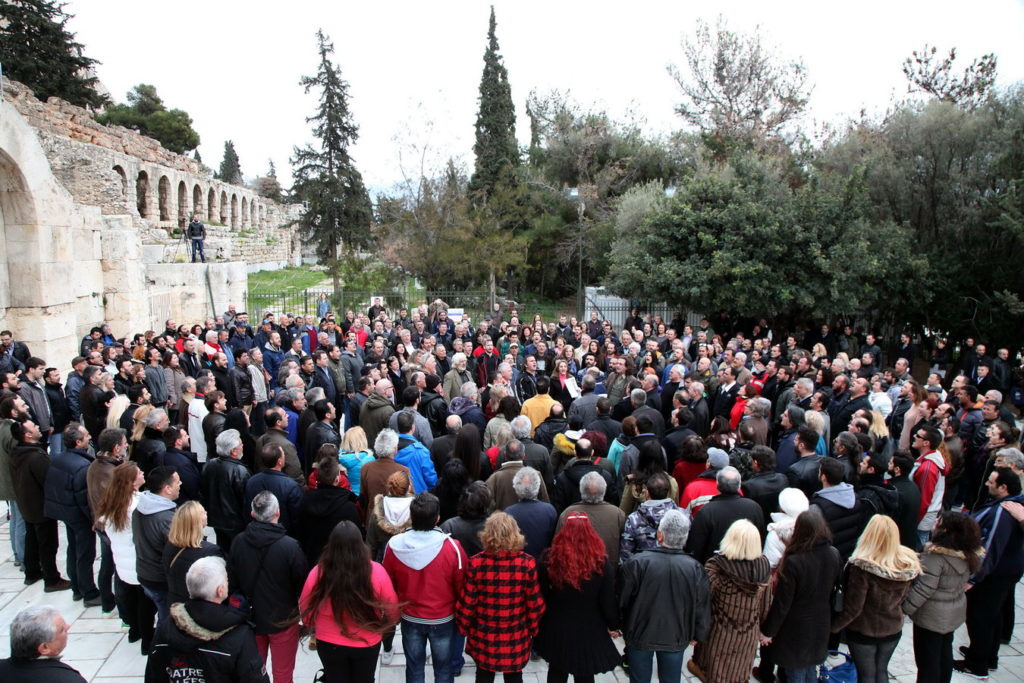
(414, 67)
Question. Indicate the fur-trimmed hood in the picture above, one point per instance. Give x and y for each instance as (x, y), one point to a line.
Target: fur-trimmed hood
(908, 574)
(199, 622)
(392, 513)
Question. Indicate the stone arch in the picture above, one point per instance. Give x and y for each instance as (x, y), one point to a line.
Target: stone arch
(211, 205)
(234, 212)
(142, 195)
(197, 200)
(245, 212)
(164, 198)
(223, 207)
(124, 179)
(182, 203)
(253, 221)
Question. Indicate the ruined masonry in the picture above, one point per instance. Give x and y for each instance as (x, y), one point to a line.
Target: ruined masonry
(87, 214)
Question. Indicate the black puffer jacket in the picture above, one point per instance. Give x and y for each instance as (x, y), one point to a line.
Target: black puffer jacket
(65, 491)
(844, 514)
(145, 452)
(567, 485)
(320, 511)
(203, 641)
(665, 600)
(223, 493)
(269, 568)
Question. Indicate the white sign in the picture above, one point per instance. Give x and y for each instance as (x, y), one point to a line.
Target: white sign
(455, 315)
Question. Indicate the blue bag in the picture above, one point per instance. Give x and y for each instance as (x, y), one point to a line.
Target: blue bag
(840, 673)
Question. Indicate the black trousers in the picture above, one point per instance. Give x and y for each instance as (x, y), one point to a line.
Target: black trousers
(984, 619)
(41, 551)
(484, 676)
(933, 654)
(224, 539)
(343, 664)
(81, 555)
(556, 675)
(136, 610)
(105, 579)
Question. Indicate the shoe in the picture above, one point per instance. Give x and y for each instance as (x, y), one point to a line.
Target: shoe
(387, 656)
(456, 673)
(76, 596)
(93, 602)
(693, 668)
(762, 677)
(29, 580)
(963, 650)
(61, 585)
(624, 663)
(961, 666)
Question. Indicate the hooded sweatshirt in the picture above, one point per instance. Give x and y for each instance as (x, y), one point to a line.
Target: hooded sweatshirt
(428, 571)
(151, 522)
(792, 502)
(929, 474)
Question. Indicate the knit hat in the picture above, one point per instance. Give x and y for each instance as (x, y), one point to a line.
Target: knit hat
(717, 458)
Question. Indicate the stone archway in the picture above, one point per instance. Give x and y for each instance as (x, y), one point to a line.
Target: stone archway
(223, 207)
(252, 214)
(211, 206)
(164, 198)
(182, 203)
(245, 212)
(142, 194)
(234, 212)
(124, 180)
(197, 201)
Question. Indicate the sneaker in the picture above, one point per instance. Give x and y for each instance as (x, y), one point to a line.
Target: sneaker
(961, 666)
(963, 650)
(387, 656)
(93, 602)
(61, 585)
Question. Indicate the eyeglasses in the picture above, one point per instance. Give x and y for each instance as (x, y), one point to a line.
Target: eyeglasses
(919, 436)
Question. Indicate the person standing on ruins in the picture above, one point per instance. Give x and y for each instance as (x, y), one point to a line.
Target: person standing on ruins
(197, 235)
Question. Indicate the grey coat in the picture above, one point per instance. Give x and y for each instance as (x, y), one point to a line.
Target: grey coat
(937, 600)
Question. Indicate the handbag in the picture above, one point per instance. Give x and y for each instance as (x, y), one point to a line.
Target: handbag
(846, 672)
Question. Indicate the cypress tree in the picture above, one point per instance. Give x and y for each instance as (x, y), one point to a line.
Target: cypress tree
(230, 167)
(37, 49)
(325, 178)
(496, 149)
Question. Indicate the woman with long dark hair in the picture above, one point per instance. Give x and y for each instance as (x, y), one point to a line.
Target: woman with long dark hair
(350, 603)
(448, 489)
(467, 449)
(649, 461)
(798, 622)
(937, 602)
(115, 514)
(578, 584)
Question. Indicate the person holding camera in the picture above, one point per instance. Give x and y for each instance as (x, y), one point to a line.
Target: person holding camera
(196, 232)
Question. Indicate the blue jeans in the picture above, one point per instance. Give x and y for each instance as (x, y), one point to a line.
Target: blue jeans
(17, 530)
(458, 645)
(808, 675)
(197, 247)
(923, 536)
(641, 665)
(414, 642)
(56, 444)
(159, 598)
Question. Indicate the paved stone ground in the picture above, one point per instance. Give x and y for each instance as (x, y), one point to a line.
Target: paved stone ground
(98, 645)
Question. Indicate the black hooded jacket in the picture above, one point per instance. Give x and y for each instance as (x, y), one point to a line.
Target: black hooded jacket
(319, 512)
(269, 568)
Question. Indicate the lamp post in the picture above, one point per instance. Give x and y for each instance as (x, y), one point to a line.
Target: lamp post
(574, 193)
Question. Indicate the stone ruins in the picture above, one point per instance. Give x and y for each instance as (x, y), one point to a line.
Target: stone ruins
(91, 218)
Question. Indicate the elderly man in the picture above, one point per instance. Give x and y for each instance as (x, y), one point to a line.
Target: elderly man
(721, 511)
(501, 482)
(206, 639)
(223, 488)
(373, 477)
(665, 601)
(376, 412)
(38, 636)
(536, 518)
(607, 519)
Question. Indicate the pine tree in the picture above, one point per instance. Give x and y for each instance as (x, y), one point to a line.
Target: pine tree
(338, 211)
(268, 185)
(496, 149)
(230, 168)
(272, 173)
(36, 49)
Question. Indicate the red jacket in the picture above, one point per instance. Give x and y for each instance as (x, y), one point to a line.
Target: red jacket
(500, 609)
(428, 570)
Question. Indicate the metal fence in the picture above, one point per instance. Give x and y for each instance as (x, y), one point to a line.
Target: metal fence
(306, 301)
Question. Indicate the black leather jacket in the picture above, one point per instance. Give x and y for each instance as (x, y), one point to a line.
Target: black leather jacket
(665, 600)
(803, 474)
(223, 493)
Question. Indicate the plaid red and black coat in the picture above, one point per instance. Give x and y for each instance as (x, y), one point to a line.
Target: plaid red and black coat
(500, 609)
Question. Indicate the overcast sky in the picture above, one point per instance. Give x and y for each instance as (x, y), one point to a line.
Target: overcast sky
(414, 67)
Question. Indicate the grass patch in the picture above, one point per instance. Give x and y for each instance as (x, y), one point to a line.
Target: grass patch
(292, 277)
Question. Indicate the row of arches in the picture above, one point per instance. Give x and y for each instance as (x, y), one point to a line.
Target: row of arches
(233, 210)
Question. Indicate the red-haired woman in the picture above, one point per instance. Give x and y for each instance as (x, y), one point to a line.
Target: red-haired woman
(578, 584)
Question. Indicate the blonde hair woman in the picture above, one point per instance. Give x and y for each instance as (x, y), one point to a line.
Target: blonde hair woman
(115, 410)
(739, 576)
(501, 606)
(879, 575)
(353, 454)
(185, 545)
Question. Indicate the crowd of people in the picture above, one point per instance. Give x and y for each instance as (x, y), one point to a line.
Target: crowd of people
(516, 489)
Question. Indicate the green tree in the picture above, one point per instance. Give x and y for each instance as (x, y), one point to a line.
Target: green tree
(146, 113)
(734, 88)
(929, 74)
(495, 148)
(37, 49)
(268, 186)
(338, 211)
(230, 166)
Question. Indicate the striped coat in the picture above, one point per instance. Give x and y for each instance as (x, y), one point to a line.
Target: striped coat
(740, 597)
(500, 609)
